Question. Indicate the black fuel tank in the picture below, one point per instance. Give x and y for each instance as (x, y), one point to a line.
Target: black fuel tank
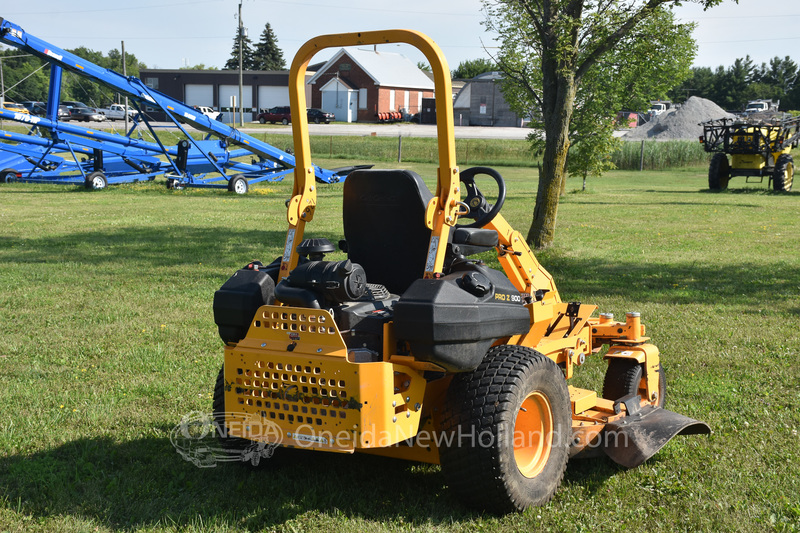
(452, 321)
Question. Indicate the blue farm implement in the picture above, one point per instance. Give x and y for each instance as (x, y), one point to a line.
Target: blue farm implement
(226, 158)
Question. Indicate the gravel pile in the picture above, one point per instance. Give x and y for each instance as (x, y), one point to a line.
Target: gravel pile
(681, 123)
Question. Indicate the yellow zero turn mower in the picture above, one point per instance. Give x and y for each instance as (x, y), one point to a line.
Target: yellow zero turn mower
(410, 349)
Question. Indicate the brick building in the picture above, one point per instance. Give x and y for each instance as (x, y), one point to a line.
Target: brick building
(358, 84)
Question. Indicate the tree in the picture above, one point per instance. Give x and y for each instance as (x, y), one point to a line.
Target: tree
(200, 66)
(23, 76)
(627, 78)
(472, 67)
(699, 83)
(267, 55)
(247, 53)
(80, 88)
(548, 48)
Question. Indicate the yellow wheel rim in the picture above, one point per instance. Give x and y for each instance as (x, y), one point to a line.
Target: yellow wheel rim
(533, 434)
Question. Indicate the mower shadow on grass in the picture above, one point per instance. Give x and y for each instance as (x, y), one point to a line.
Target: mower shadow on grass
(146, 483)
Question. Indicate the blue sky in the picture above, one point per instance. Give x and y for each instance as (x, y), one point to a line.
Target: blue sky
(174, 33)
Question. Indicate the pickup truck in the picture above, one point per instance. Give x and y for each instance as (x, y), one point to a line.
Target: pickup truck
(208, 111)
(760, 106)
(116, 112)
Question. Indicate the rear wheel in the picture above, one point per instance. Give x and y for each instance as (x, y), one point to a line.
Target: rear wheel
(249, 452)
(262, 120)
(783, 175)
(230, 443)
(625, 377)
(507, 428)
(285, 121)
(719, 172)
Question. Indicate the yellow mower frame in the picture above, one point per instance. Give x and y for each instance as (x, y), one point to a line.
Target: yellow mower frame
(293, 370)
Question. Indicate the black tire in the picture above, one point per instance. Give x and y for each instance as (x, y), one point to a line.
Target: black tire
(625, 377)
(238, 184)
(262, 120)
(285, 121)
(8, 175)
(482, 458)
(719, 172)
(96, 181)
(218, 407)
(783, 175)
(238, 445)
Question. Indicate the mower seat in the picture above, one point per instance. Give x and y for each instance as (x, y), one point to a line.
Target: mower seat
(384, 225)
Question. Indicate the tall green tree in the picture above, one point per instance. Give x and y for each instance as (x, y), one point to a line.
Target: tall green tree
(80, 88)
(699, 83)
(627, 78)
(247, 53)
(23, 76)
(267, 55)
(473, 67)
(548, 48)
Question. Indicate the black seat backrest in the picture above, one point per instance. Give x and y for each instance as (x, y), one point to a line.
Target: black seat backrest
(384, 225)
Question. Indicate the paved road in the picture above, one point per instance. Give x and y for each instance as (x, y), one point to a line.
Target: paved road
(406, 130)
(361, 130)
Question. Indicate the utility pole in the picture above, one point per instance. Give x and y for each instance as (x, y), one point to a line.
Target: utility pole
(241, 46)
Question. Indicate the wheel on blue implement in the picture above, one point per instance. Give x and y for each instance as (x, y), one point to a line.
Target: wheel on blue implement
(238, 184)
(96, 181)
(8, 175)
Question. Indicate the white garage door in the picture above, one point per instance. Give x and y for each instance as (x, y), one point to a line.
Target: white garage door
(272, 96)
(225, 93)
(199, 95)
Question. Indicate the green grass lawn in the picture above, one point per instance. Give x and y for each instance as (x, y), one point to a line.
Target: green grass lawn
(108, 340)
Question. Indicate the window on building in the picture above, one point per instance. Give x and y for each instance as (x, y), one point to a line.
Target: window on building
(419, 101)
(362, 98)
(151, 82)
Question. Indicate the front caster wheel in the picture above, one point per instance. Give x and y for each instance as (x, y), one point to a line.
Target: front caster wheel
(625, 377)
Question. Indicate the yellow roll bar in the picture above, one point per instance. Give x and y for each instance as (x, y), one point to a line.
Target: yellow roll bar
(441, 213)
